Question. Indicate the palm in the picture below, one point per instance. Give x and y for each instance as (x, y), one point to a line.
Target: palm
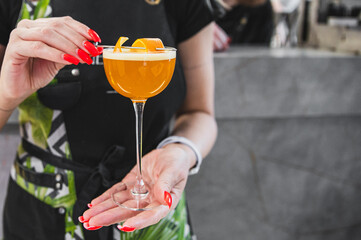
(164, 170)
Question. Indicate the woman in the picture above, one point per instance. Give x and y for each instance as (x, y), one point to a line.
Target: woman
(78, 137)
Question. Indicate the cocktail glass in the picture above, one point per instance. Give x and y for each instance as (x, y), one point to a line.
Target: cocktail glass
(138, 74)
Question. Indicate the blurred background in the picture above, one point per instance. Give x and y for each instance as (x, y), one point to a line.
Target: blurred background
(287, 161)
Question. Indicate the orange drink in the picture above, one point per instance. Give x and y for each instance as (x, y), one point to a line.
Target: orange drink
(139, 75)
(138, 72)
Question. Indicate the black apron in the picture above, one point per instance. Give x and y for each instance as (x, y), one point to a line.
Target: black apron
(100, 124)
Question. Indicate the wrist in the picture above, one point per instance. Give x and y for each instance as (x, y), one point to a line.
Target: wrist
(194, 167)
(190, 157)
(8, 103)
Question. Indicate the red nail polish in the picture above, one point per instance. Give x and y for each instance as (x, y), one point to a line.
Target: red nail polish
(94, 35)
(90, 205)
(100, 50)
(87, 227)
(126, 228)
(71, 59)
(92, 228)
(81, 219)
(168, 198)
(84, 56)
(91, 48)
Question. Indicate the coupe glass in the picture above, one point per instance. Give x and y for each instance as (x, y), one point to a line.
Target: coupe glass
(138, 75)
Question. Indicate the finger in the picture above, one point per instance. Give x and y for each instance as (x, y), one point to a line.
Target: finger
(67, 20)
(98, 209)
(48, 36)
(221, 39)
(163, 188)
(78, 38)
(217, 42)
(114, 215)
(221, 34)
(27, 23)
(217, 45)
(82, 29)
(107, 194)
(38, 49)
(116, 198)
(146, 218)
(63, 33)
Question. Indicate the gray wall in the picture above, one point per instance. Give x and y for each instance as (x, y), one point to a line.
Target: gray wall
(286, 164)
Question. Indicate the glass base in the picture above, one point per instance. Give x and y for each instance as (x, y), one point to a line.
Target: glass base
(126, 197)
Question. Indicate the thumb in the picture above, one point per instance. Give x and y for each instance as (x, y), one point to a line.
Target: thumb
(163, 188)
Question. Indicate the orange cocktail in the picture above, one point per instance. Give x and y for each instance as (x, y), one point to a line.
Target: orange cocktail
(139, 75)
(138, 72)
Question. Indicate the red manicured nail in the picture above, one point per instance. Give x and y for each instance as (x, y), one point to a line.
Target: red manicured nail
(84, 56)
(81, 219)
(168, 198)
(126, 228)
(94, 35)
(91, 48)
(71, 59)
(100, 50)
(90, 205)
(94, 228)
(91, 228)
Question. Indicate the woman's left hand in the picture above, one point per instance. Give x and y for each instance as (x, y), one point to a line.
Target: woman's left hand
(167, 168)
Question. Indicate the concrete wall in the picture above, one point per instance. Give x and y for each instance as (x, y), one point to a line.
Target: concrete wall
(286, 164)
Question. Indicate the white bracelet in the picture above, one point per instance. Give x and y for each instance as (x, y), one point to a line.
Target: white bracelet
(187, 142)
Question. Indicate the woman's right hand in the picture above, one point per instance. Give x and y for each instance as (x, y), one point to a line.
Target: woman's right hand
(37, 50)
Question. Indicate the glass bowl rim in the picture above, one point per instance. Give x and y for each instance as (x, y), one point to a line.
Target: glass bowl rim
(166, 48)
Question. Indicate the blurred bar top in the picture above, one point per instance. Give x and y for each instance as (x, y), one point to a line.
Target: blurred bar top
(278, 83)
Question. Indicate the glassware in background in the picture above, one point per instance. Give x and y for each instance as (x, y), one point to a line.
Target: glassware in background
(286, 23)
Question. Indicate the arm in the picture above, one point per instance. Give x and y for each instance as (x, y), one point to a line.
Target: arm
(195, 120)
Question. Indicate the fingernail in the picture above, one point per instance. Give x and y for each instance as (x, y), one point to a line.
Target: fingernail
(84, 56)
(94, 35)
(168, 198)
(126, 228)
(100, 50)
(94, 228)
(81, 219)
(91, 228)
(90, 205)
(91, 48)
(71, 59)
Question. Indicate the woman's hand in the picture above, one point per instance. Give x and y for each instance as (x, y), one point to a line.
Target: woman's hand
(221, 40)
(167, 168)
(37, 50)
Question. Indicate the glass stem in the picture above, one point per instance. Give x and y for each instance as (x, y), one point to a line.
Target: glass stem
(139, 187)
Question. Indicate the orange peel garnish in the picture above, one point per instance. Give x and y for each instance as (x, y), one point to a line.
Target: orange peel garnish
(149, 44)
(118, 45)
